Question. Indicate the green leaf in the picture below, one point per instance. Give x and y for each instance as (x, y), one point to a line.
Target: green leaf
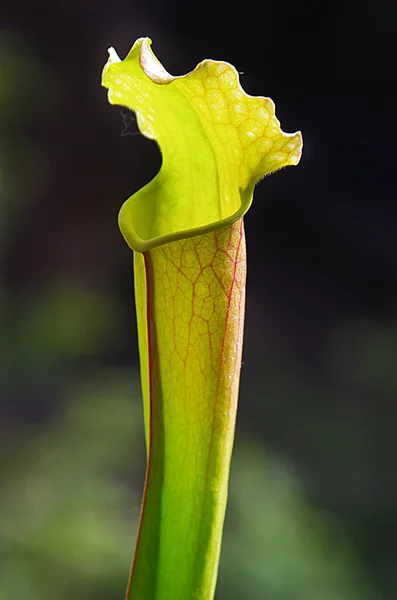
(187, 230)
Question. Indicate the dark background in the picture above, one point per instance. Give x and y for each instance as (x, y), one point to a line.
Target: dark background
(313, 501)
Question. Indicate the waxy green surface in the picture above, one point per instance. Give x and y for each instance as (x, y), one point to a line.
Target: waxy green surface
(186, 229)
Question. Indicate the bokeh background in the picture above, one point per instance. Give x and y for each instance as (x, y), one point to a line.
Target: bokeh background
(313, 491)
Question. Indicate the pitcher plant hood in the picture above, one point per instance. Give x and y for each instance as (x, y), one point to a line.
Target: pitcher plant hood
(216, 142)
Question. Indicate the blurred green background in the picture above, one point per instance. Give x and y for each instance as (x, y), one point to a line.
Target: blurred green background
(312, 513)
